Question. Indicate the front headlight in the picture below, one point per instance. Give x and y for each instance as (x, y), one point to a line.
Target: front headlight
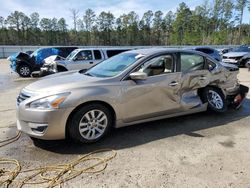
(50, 102)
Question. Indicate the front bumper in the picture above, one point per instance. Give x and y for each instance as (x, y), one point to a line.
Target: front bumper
(237, 99)
(13, 66)
(231, 61)
(43, 124)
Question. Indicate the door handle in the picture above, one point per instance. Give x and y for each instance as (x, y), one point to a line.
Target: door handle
(174, 83)
(91, 62)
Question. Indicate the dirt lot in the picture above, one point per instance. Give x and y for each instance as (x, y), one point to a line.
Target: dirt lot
(199, 150)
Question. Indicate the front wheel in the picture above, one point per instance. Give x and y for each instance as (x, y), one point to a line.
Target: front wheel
(24, 70)
(215, 99)
(90, 123)
(247, 63)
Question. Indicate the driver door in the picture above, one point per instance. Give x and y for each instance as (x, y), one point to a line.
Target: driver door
(157, 95)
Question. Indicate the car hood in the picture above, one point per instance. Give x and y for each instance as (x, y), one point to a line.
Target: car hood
(235, 54)
(18, 55)
(53, 58)
(61, 82)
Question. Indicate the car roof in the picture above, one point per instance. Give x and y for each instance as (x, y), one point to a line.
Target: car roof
(151, 51)
(100, 48)
(148, 51)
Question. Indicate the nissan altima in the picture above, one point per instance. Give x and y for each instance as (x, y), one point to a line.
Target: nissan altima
(132, 87)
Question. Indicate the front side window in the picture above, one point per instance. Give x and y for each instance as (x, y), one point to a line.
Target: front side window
(114, 65)
(84, 55)
(191, 62)
(158, 65)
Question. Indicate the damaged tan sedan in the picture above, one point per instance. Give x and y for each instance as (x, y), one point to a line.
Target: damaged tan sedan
(132, 87)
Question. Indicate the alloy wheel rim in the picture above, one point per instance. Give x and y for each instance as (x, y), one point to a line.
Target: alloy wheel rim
(215, 99)
(25, 71)
(93, 124)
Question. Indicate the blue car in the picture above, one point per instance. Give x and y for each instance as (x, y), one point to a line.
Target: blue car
(24, 64)
(210, 51)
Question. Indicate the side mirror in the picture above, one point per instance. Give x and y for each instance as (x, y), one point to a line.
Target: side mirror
(138, 76)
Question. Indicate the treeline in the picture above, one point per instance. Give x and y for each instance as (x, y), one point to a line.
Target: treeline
(213, 22)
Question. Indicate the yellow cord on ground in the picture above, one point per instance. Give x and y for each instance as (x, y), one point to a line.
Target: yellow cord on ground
(42, 175)
(10, 140)
(56, 174)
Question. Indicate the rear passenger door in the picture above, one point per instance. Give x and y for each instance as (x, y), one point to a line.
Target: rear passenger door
(195, 73)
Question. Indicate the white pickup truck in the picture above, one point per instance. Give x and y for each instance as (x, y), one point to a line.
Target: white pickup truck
(83, 58)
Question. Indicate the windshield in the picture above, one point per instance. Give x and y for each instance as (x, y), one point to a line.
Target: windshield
(35, 53)
(114, 65)
(71, 55)
(242, 49)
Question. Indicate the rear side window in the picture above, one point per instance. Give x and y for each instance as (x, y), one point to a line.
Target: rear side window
(97, 54)
(211, 65)
(111, 53)
(191, 62)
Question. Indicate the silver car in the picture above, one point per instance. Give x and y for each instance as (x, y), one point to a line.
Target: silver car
(129, 88)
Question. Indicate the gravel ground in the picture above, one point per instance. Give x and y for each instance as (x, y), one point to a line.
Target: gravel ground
(199, 150)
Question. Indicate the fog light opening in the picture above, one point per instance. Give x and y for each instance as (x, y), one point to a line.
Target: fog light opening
(38, 127)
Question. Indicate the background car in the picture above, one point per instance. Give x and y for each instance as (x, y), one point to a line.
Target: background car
(24, 64)
(224, 50)
(210, 51)
(239, 56)
(132, 87)
(84, 58)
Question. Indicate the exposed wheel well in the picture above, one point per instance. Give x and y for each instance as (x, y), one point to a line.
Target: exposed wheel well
(61, 68)
(20, 63)
(244, 61)
(86, 103)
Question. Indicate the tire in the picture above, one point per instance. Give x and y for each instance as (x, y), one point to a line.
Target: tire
(85, 128)
(215, 99)
(24, 70)
(247, 63)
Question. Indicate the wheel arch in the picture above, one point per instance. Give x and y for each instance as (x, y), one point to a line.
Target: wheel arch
(21, 62)
(200, 91)
(244, 60)
(107, 105)
(62, 67)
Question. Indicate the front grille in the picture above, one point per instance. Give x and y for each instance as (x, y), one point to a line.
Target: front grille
(238, 58)
(21, 98)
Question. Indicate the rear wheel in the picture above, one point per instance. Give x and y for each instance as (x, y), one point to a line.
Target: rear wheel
(90, 123)
(215, 99)
(24, 70)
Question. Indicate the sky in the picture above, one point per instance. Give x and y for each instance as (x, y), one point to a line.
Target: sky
(61, 8)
